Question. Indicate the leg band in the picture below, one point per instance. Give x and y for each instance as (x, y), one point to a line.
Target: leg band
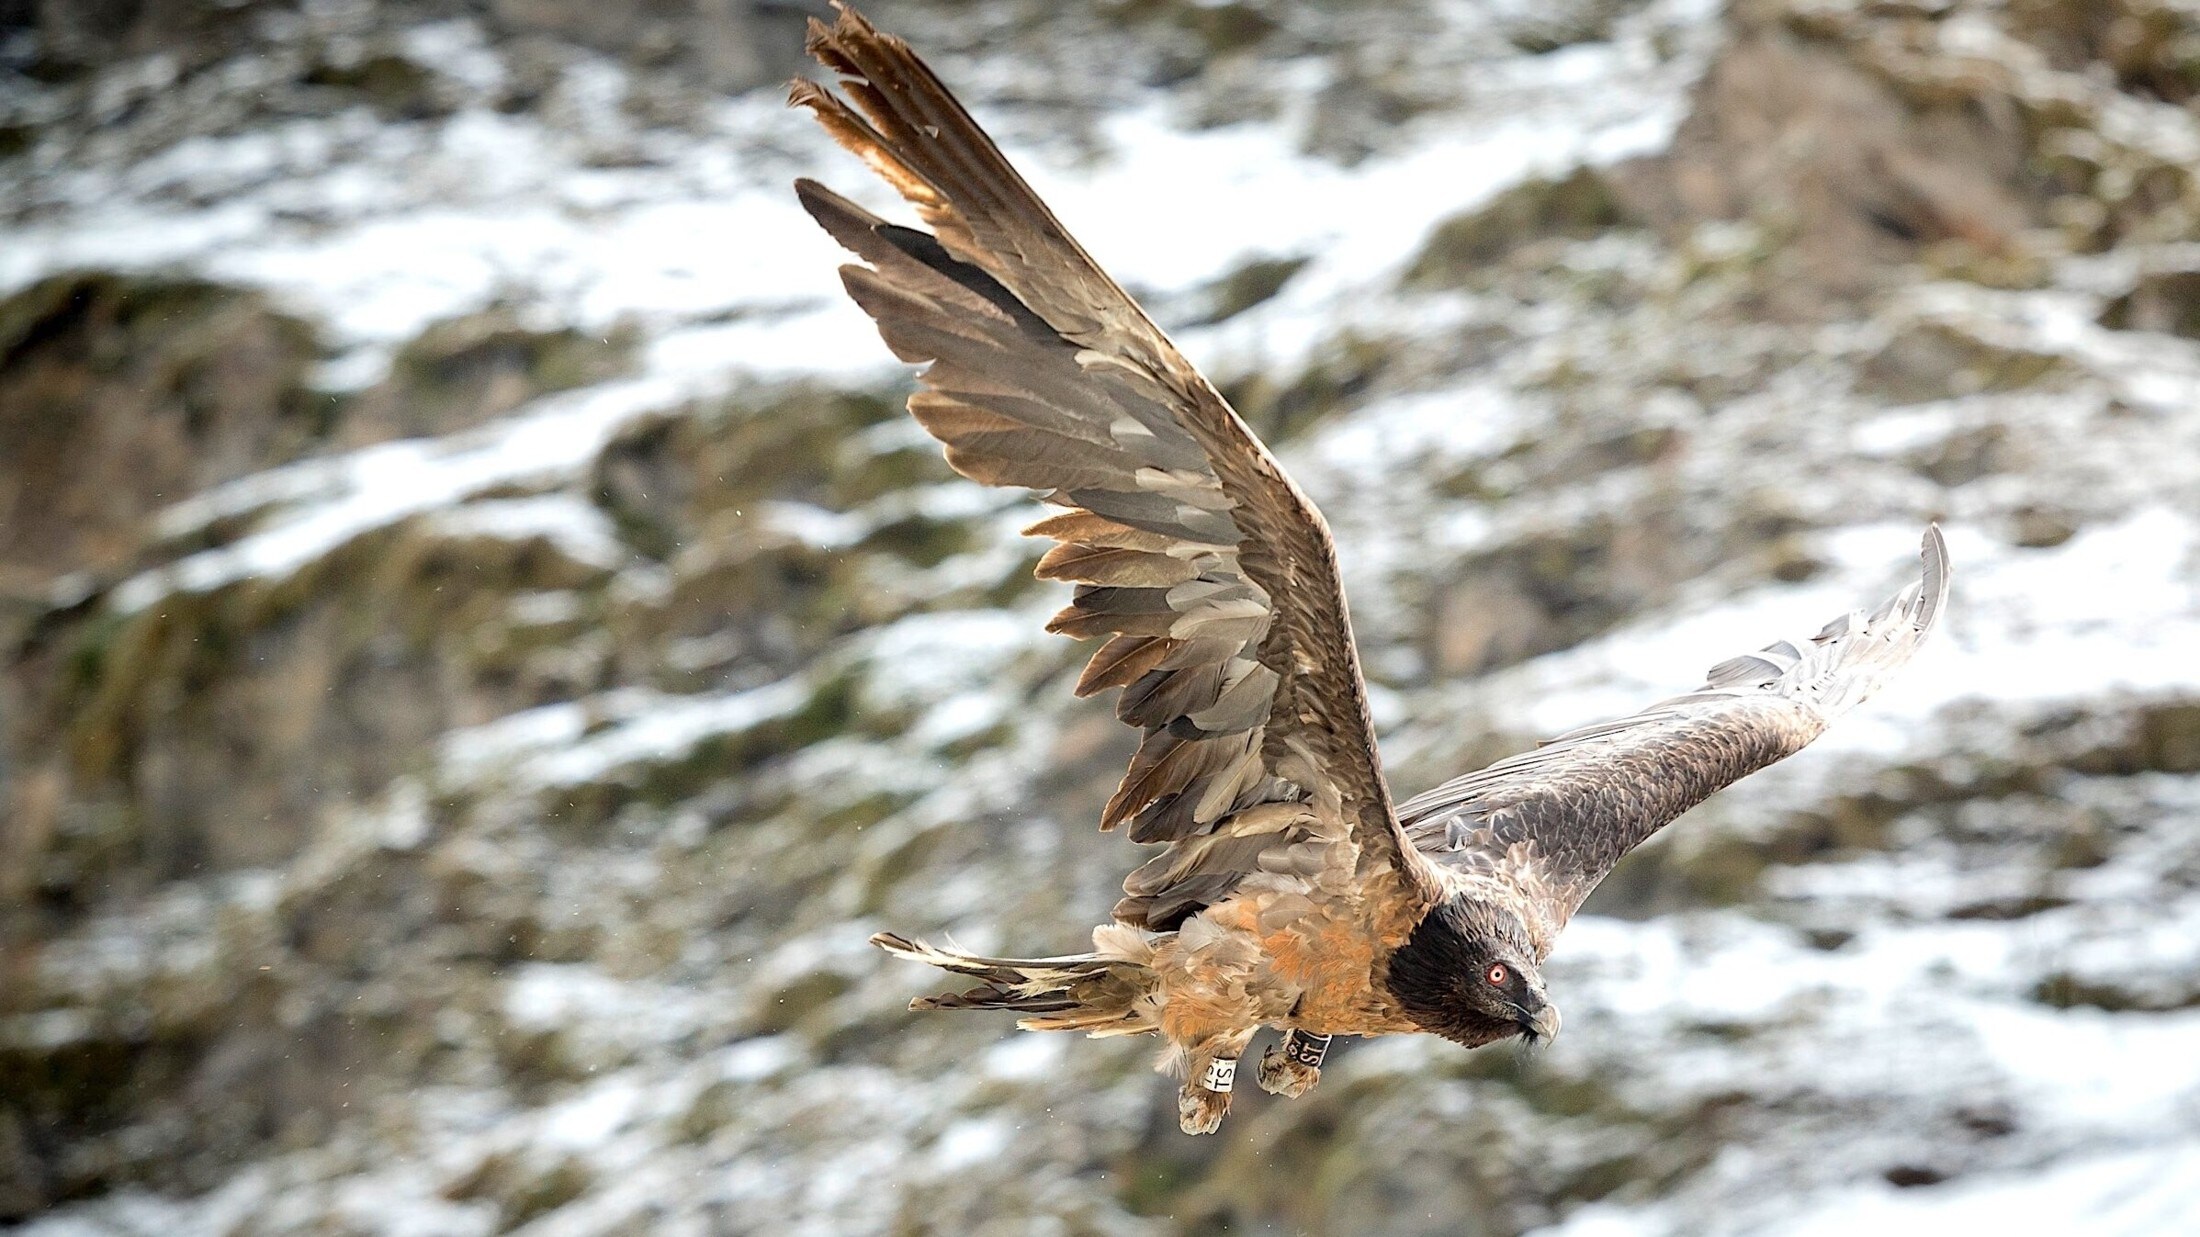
(1304, 1049)
(1221, 1073)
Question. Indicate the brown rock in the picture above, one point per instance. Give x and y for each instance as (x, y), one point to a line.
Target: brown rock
(463, 371)
(2165, 301)
(119, 396)
(1800, 136)
(730, 45)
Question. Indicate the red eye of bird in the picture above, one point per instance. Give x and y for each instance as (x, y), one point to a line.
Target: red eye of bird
(1496, 974)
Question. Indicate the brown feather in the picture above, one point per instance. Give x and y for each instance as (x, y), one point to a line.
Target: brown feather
(1085, 528)
(1170, 818)
(1165, 695)
(1106, 565)
(1080, 624)
(1122, 660)
(1166, 765)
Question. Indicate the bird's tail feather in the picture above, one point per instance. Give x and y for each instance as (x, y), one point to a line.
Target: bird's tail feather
(1079, 992)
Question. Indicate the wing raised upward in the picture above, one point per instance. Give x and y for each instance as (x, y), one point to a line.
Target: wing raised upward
(1213, 578)
(1553, 821)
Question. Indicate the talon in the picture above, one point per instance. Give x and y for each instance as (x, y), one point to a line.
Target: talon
(1292, 1067)
(1200, 1111)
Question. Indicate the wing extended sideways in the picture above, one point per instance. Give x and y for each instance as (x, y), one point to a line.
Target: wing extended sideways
(1551, 822)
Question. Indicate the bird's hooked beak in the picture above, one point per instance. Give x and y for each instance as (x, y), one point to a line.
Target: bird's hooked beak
(1539, 1024)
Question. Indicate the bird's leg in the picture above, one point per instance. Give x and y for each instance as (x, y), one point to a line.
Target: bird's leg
(1293, 1066)
(1203, 1100)
(1210, 1074)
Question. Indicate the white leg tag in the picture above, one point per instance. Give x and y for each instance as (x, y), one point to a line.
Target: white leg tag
(1221, 1073)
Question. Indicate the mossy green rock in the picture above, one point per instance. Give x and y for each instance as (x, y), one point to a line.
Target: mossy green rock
(1464, 247)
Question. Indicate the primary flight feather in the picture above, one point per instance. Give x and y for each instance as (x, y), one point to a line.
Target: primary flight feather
(1290, 891)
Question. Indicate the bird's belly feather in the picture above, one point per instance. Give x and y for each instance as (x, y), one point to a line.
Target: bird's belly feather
(1313, 972)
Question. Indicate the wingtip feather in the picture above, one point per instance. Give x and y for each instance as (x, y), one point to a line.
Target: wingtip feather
(1933, 581)
(802, 92)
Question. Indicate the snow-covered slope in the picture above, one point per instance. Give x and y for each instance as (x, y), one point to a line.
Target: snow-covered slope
(462, 807)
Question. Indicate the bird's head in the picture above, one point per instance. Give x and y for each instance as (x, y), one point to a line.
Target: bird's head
(1469, 974)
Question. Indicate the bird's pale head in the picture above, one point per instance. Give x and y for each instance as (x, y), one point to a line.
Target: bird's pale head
(1469, 975)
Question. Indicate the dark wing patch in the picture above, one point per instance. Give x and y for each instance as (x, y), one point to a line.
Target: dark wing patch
(1212, 578)
(1554, 821)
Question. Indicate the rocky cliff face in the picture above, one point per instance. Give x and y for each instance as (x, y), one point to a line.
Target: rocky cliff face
(484, 647)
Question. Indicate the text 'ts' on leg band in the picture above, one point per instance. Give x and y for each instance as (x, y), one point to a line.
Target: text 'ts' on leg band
(1304, 1049)
(1220, 1075)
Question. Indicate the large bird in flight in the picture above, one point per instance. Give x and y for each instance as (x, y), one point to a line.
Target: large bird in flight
(1290, 891)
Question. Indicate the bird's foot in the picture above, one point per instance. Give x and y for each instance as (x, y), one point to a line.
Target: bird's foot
(1202, 1103)
(1292, 1067)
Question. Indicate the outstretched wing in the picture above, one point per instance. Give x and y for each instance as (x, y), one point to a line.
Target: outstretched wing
(1553, 821)
(1212, 577)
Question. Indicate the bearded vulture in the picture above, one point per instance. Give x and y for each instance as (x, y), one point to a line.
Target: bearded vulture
(1290, 891)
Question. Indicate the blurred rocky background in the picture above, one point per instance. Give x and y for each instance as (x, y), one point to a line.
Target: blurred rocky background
(482, 647)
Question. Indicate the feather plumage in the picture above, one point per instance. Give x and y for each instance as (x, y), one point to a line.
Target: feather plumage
(1287, 891)
(1213, 575)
